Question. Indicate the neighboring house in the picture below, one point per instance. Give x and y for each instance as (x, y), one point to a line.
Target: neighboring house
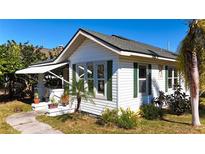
(121, 72)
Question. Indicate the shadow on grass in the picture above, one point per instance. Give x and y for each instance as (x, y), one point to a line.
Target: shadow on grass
(176, 122)
(6, 99)
(70, 116)
(65, 117)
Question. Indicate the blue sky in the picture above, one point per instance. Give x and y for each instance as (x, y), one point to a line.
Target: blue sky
(51, 33)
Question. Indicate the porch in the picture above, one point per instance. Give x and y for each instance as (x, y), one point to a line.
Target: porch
(51, 81)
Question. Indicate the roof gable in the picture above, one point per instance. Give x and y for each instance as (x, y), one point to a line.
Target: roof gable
(118, 44)
(125, 44)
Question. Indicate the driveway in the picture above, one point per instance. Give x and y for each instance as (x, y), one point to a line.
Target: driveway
(26, 123)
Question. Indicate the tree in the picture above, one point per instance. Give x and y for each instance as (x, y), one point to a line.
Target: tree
(78, 92)
(10, 61)
(31, 54)
(190, 63)
(15, 56)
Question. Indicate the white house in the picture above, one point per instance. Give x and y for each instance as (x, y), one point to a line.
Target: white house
(121, 72)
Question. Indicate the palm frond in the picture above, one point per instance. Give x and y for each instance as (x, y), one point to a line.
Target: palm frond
(193, 43)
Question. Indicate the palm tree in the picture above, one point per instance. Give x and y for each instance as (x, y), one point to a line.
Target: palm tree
(79, 92)
(189, 61)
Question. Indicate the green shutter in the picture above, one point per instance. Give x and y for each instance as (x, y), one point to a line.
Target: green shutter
(150, 79)
(166, 78)
(73, 76)
(109, 80)
(135, 68)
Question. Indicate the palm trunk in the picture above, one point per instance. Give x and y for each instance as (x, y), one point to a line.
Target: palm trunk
(195, 91)
(78, 104)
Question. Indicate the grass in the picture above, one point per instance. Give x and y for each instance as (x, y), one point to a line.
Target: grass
(7, 109)
(170, 124)
(85, 124)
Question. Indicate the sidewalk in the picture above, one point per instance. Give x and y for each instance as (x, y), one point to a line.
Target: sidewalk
(26, 123)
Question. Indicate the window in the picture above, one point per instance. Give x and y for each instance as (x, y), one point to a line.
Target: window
(90, 76)
(80, 72)
(176, 79)
(95, 76)
(101, 79)
(169, 77)
(172, 77)
(143, 79)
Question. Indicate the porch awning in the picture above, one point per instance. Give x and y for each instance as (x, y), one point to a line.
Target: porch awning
(40, 69)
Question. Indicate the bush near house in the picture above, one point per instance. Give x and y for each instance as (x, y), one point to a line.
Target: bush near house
(127, 119)
(122, 118)
(178, 103)
(150, 111)
(110, 116)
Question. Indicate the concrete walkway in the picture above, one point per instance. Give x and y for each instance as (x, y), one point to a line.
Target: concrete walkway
(26, 123)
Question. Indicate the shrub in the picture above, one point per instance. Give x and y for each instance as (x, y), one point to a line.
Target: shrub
(127, 119)
(179, 102)
(122, 118)
(161, 100)
(110, 116)
(150, 111)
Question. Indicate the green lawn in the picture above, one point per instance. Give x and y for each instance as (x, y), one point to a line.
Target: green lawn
(83, 123)
(8, 109)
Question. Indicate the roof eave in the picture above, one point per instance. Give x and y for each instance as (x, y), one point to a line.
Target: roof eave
(127, 53)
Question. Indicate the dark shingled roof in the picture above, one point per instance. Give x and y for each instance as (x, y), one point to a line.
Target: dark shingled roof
(125, 44)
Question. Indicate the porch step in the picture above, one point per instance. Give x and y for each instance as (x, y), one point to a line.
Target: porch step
(60, 110)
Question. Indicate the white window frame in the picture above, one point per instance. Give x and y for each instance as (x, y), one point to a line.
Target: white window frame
(86, 75)
(95, 78)
(143, 79)
(172, 78)
(99, 95)
(77, 71)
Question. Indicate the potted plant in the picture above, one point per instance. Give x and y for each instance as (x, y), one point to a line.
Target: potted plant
(36, 98)
(54, 103)
(65, 97)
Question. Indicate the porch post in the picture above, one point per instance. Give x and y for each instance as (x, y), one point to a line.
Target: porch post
(40, 86)
(62, 80)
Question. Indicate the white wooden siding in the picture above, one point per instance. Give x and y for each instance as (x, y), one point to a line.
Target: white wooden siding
(122, 79)
(125, 86)
(158, 83)
(90, 51)
(125, 83)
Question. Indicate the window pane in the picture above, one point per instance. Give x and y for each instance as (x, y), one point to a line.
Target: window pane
(175, 73)
(142, 71)
(101, 86)
(90, 85)
(175, 81)
(101, 71)
(170, 83)
(170, 72)
(142, 86)
(90, 70)
(80, 71)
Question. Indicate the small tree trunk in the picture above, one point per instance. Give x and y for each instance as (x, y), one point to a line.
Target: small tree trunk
(78, 104)
(195, 91)
(10, 86)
